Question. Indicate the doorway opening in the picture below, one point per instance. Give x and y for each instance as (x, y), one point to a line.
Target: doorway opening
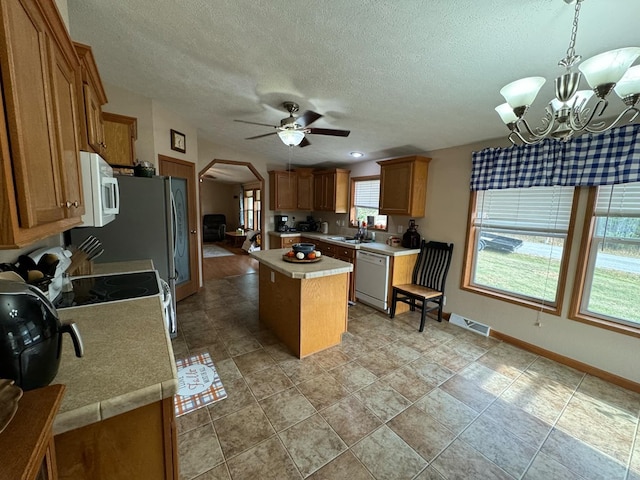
(231, 195)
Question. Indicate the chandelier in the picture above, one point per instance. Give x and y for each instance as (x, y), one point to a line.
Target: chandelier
(573, 110)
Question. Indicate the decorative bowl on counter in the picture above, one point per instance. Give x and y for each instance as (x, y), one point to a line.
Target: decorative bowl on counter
(303, 247)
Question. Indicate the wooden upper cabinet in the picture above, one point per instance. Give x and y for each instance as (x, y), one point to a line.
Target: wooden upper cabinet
(403, 186)
(65, 77)
(305, 188)
(39, 174)
(331, 190)
(91, 97)
(283, 187)
(120, 133)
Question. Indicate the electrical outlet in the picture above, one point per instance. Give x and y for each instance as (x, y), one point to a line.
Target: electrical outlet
(444, 300)
(400, 228)
(273, 277)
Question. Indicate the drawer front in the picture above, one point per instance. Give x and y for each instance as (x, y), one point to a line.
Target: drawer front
(346, 254)
(288, 241)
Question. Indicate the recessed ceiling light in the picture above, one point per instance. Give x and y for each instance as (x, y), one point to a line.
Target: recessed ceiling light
(356, 154)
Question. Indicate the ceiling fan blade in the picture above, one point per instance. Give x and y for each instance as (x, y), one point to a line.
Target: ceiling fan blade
(260, 136)
(304, 142)
(329, 131)
(307, 118)
(255, 123)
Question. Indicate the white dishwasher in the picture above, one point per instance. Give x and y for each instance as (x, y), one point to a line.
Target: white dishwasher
(372, 279)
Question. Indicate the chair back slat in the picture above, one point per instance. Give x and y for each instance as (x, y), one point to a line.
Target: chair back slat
(432, 265)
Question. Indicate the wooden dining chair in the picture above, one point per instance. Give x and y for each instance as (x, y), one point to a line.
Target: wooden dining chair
(427, 285)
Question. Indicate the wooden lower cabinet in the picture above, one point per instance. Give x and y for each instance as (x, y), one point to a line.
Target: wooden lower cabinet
(345, 254)
(141, 443)
(26, 445)
(276, 241)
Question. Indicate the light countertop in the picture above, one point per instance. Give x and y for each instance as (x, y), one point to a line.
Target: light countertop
(324, 267)
(374, 247)
(128, 360)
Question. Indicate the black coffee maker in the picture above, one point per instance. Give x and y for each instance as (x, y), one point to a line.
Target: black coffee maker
(281, 223)
(411, 238)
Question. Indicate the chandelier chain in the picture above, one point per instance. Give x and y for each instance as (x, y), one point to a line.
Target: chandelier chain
(571, 58)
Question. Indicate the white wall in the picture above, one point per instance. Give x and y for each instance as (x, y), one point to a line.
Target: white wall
(164, 120)
(446, 220)
(124, 102)
(64, 11)
(217, 197)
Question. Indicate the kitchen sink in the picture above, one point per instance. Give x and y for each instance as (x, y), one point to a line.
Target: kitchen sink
(350, 240)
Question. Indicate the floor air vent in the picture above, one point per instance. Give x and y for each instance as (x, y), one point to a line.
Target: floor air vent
(472, 325)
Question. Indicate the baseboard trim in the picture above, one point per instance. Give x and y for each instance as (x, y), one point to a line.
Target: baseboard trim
(569, 362)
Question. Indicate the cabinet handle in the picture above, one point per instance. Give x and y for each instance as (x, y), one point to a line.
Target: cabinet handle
(66, 204)
(75, 204)
(193, 232)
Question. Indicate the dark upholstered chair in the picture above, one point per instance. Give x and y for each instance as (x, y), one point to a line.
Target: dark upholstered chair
(428, 280)
(214, 226)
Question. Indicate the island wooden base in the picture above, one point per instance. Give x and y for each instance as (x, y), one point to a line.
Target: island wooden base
(307, 315)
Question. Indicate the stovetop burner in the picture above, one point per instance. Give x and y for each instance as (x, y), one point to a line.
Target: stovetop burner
(109, 288)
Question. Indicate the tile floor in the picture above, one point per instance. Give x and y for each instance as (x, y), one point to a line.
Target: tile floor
(392, 403)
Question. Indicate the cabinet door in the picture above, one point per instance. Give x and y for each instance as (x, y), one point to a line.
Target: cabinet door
(395, 188)
(120, 133)
(330, 192)
(95, 126)
(305, 192)
(318, 192)
(27, 93)
(64, 81)
(284, 190)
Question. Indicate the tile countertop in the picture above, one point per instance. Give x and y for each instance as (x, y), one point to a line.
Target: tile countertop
(374, 247)
(128, 360)
(324, 267)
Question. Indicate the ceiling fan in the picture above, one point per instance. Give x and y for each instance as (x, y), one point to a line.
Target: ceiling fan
(292, 129)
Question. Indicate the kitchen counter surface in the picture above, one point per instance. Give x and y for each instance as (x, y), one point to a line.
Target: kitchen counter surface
(325, 267)
(120, 267)
(128, 360)
(374, 247)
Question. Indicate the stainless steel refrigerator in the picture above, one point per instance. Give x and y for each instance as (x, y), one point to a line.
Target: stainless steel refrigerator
(151, 224)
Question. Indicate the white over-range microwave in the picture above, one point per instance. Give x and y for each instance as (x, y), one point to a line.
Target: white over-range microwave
(100, 189)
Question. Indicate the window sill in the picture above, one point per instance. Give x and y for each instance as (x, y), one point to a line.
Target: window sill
(522, 302)
(606, 324)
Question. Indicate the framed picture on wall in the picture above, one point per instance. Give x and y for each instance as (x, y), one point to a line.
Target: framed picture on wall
(178, 141)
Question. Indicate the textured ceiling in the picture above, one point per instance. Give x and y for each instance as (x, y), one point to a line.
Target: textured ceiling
(405, 76)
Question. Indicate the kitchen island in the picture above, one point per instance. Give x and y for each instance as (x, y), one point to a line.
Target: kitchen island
(116, 419)
(304, 304)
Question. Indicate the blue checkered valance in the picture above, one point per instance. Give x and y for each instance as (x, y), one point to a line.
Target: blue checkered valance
(603, 159)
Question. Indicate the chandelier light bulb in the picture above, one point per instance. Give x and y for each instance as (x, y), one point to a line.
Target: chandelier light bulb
(608, 67)
(523, 92)
(629, 84)
(572, 111)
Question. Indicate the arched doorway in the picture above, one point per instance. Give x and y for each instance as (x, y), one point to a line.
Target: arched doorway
(233, 178)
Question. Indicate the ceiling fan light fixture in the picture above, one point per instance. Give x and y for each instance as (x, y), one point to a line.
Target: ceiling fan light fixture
(291, 138)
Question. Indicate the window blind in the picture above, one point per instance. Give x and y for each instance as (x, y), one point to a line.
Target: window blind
(622, 200)
(367, 194)
(535, 209)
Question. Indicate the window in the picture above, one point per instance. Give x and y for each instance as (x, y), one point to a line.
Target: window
(516, 248)
(609, 284)
(251, 209)
(365, 201)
